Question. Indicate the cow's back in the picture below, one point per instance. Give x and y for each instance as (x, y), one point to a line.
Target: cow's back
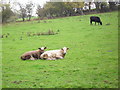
(95, 18)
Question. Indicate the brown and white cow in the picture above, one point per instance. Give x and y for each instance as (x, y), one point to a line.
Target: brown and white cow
(33, 55)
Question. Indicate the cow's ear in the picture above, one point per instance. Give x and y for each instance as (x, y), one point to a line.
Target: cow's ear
(39, 48)
(61, 48)
(45, 47)
(67, 48)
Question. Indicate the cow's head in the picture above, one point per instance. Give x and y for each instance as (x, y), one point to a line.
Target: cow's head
(64, 49)
(42, 49)
(100, 23)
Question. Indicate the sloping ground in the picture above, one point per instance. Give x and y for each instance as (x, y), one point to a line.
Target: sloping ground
(91, 61)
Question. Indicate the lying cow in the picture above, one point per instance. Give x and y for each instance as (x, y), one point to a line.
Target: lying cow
(95, 19)
(33, 55)
(54, 54)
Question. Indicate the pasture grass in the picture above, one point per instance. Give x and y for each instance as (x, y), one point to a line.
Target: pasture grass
(91, 61)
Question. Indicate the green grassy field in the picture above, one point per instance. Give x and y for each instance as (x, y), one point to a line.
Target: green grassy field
(91, 61)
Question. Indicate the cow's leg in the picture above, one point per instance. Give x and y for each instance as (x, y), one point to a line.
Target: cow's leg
(91, 22)
(95, 23)
(45, 56)
(32, 58)
(35, 56)
(27, 57)
(49, 58)
(59, 57)
(52, 58)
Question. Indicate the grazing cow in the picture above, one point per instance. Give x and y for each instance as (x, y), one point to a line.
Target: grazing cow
(54, 54)
(33, 55)
(95, 19)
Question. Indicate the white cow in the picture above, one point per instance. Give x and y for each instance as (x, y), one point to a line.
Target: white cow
(54, 54)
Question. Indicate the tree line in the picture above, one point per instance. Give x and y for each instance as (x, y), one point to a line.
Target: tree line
(53, 10)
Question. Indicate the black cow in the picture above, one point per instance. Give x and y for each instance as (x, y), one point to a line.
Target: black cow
(95, 19)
